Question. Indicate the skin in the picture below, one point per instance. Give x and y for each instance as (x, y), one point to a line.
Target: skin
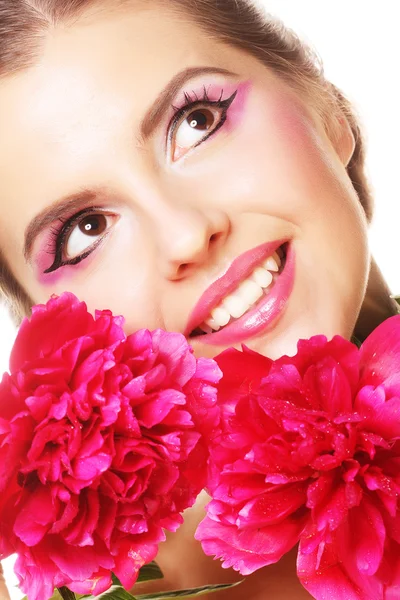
(4, 595)
(176, 224)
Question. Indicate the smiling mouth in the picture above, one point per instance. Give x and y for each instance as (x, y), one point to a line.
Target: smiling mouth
(251, 291)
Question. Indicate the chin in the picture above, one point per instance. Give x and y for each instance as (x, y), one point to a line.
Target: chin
(285, 342)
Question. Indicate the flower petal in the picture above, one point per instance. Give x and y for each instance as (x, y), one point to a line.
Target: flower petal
(384, 419)
(272, 507)
(325, 577)
(250, 549)
(36, 517)
(380, 357)
(103, 443)
(367, 536)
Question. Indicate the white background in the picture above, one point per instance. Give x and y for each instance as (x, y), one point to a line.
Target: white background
(358, 42)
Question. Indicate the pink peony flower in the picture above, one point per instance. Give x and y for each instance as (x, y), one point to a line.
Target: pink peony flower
(102, 446)
(309, 452)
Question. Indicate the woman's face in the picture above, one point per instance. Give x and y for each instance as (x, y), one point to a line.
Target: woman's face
(154, 171)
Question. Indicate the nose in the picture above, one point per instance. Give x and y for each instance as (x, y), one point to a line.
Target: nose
(188, 238)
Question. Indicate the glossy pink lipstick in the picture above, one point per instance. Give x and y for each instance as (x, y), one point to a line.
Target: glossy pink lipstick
(262, 314)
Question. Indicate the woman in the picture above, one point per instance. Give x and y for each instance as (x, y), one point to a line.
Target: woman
(187, 165)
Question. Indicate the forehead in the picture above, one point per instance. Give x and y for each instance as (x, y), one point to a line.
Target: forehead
(125, 57)
(90, 80)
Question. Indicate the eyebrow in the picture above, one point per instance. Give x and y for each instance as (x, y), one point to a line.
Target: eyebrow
(150, 122)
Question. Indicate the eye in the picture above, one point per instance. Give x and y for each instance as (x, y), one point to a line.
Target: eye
(193, 129)
(79, 236)
(84, 234)
(196, 122)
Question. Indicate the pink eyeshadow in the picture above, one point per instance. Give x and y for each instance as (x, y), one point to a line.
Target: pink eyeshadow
(44, 260)
(67, 272)
(237, 109)
(50, 279)
(214, 91)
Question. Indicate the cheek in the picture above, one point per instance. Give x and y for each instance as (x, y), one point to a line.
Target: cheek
(274, 161)
(119, 276)
(283, 158)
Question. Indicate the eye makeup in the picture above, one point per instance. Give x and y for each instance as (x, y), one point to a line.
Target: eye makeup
(227, 100)
(57, 238)
(194, 104)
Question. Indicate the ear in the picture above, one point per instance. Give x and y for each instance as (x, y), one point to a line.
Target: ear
(343, 138)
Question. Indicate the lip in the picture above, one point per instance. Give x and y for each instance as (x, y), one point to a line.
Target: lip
(264, 312)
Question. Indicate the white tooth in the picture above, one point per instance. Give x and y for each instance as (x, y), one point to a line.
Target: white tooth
(213, 324)
(206, 328)
(277, 257)
(235, 305)
(271, 263)
(221, 316)
(262, 277)
(249, 291)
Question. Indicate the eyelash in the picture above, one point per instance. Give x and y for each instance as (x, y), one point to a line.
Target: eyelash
(193, 103)
(59, 234)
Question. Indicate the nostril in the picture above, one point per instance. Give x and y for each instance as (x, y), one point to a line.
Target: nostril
(182, 269)
(214, 238)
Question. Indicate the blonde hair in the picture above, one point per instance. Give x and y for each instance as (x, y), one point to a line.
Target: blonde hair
(238, 23)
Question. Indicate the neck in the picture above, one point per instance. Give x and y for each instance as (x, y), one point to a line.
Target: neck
(184, 565)
(377, 305)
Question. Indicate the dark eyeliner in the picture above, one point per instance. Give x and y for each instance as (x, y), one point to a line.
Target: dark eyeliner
(205, 102)
(59, 237)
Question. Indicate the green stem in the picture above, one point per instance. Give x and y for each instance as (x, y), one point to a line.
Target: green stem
(66, 594)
